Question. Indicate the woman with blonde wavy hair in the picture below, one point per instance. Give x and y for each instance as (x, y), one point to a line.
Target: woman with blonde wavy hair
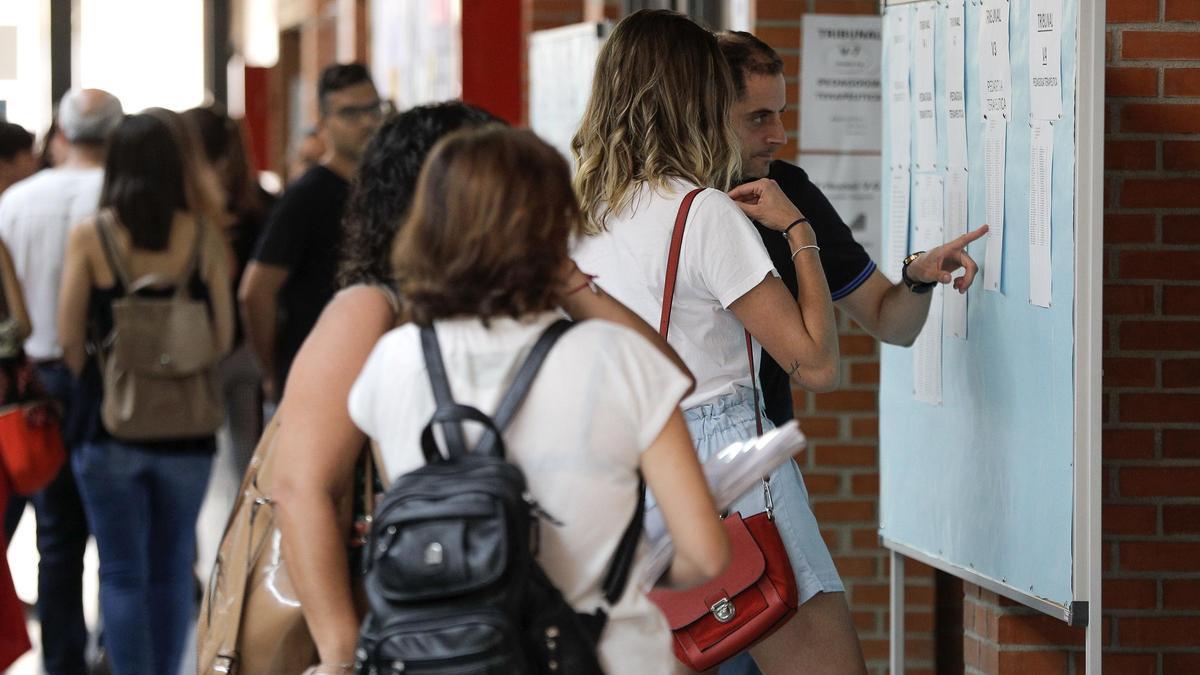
(657, 128)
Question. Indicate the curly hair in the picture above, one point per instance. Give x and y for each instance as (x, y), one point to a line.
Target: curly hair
(659, 109)
(383, 187)
(489, 228)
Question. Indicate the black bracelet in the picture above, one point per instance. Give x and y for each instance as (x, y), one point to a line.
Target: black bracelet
(795, 222)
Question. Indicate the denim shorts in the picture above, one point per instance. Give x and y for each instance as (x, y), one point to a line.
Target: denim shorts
(730, 418)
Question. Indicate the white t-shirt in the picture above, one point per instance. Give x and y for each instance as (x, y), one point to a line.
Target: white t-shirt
(601, 397)
(35, 216)
(721, 259)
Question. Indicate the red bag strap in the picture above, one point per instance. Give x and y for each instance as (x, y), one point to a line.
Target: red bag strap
(664, 321)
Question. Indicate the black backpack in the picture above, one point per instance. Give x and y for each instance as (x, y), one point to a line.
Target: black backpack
(452, 580)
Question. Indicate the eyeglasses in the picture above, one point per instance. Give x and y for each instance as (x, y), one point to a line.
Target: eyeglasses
(352, 113)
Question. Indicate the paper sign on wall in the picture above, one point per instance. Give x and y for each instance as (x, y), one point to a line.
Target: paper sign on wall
(923, 89)
(956, 99)
(1041, 170)
(1045, 59)
(994, 68)
(994, 141)
(852, 184)
(839, 84)
(927, 233)
(896, 41)
(954, 303)
(897, 246)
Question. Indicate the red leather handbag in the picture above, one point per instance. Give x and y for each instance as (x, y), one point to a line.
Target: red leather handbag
(31, 447)
(757, 593)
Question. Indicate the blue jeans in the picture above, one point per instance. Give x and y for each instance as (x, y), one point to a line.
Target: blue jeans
(143, 507)
(62, 534)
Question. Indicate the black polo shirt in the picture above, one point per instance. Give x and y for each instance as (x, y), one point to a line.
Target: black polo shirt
(846, 264)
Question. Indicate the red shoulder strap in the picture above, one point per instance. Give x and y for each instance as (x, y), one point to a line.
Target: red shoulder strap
(664, 321)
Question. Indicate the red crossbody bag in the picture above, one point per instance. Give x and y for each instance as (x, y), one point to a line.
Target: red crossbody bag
(757, 593)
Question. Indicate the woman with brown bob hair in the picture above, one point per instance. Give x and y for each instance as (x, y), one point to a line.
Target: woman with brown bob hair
(483, 258)
(657, 128)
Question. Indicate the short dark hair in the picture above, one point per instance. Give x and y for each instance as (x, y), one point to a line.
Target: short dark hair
(337, 77)
(747, 54)
(489, 228)
(383, 187)
(143, 180)
(14, 139)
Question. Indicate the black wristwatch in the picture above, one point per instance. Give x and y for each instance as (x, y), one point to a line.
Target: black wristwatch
(915, 286)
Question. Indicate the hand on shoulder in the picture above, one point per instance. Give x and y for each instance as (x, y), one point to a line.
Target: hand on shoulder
(763, 200)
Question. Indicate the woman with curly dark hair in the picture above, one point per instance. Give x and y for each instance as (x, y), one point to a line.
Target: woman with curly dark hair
(317, 445)
(387, 175)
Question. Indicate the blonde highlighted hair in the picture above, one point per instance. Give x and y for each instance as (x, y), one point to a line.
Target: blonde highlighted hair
(659, 109)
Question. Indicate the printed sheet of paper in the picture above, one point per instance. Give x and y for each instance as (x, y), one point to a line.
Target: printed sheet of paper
(897, 241)
(956, 99)
(840, 87)
(994, 137)
(922, 82)
(995, 71)
(896, 41)
(927, 351)
(954, 321)
(1041, 169)
(1045, 59)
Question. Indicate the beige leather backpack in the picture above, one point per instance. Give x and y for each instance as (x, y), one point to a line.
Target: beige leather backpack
(158, 364)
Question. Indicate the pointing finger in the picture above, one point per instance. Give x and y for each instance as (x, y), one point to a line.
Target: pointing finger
(969, 237)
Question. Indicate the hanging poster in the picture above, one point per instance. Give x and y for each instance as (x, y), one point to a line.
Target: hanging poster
(852, 184)
(416, 53)
(1045, 59)
(925, 142)
(994, 68)
(839, 83)
(896, 32)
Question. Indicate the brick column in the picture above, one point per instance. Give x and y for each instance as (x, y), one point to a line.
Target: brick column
(1152, 346)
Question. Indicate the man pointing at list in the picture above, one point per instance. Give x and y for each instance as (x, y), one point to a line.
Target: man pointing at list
(893, 313)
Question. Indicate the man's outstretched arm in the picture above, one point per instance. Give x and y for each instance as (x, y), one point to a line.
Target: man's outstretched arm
(892, 312)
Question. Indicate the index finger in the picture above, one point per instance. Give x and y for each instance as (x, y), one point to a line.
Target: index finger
(969, 237)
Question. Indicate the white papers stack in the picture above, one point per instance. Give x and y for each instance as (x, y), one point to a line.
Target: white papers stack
(730, 473)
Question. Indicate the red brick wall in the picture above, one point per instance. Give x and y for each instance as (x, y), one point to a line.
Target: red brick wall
(1152, 341)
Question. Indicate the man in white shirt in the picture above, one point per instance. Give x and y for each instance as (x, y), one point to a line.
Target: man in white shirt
(35, 216)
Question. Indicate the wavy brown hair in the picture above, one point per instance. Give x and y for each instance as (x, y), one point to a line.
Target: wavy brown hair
(659, 109)
(488, 231)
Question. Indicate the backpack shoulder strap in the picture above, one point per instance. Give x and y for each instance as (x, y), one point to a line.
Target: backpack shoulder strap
(511, 402)
(104, 224)
(617, 576)
(452, 429)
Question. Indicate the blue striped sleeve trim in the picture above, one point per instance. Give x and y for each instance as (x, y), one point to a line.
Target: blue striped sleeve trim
(854, 283)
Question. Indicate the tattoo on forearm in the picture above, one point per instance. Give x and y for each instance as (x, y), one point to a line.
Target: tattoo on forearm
(794, 369)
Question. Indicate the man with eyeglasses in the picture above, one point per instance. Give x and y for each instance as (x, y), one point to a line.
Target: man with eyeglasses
(291, 275)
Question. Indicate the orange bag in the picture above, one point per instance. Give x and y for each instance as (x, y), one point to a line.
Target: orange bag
(31, 446)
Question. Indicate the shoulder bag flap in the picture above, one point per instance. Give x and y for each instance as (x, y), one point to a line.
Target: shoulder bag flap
(683, 607)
